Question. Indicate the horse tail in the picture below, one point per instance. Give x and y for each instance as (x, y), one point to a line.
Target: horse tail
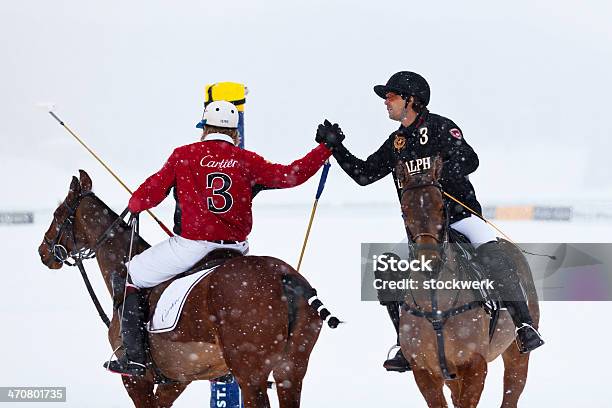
(297, 285)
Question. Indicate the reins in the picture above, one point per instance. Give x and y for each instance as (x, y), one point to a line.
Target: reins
(61, 254)
(495, 227)
(477, 214)
(405, 189)
(438, 317)
(92, 293)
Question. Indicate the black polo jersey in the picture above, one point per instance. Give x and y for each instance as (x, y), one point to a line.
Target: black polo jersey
(429, 135)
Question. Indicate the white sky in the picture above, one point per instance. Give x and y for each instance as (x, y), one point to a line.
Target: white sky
(528, 83)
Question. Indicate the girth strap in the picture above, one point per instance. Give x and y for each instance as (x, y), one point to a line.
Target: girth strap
(443, 315)
(437, 320)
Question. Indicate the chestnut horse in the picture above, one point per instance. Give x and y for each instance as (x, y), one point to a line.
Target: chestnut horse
(463, 329)
(243, 318)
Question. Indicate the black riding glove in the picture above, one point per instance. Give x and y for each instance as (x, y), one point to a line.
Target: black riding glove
(329, 134)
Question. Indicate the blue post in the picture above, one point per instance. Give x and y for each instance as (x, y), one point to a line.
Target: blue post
(225, 394)
(241, 128)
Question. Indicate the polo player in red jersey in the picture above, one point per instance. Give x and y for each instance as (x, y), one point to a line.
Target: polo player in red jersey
(214, 181)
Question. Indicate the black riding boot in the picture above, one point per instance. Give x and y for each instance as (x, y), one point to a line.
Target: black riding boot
(399, 362)
(132, 363)
(501, 269)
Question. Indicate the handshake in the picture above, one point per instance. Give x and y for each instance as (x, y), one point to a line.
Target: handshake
(330, 135)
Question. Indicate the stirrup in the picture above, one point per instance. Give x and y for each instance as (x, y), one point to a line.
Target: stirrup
(535, 342)
(396, 346)
(403, 365)
(126, 368)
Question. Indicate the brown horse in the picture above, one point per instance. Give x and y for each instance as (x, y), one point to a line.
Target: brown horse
(463, 337)
(250, 317)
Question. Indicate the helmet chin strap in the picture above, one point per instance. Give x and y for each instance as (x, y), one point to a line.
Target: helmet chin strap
(405, 109)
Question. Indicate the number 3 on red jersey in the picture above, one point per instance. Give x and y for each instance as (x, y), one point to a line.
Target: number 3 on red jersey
(228, 200)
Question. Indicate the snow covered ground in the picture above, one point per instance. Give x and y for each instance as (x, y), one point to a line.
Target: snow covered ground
(52, 336)
(129, 78)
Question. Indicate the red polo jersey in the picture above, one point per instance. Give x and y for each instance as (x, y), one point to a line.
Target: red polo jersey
(214, 181)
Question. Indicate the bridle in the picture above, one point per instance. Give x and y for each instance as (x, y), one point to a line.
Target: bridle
(442, 239)
(60, 252)
(444, 233)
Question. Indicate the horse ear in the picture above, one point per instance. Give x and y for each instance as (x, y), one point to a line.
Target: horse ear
(75, 191)
(85, 181)
(401, 173)
(438, 164)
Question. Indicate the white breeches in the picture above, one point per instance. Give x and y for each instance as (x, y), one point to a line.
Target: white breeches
(171, 257)
(476, 230)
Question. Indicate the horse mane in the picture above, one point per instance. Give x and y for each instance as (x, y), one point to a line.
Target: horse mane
(113, 215)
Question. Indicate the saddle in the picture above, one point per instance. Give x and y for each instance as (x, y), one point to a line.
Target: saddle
(152, 295)
(462, 243)
(468, 259)
(214, 258)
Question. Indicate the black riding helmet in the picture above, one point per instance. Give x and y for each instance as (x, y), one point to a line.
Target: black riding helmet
(405, 83)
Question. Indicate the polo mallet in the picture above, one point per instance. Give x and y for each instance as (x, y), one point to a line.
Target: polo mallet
(322, 181)
(496, 227)
(161, 224)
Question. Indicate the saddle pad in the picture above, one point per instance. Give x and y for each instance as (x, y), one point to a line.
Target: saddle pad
(170, 305)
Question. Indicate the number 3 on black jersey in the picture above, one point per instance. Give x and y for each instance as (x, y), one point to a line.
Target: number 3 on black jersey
(228, 200)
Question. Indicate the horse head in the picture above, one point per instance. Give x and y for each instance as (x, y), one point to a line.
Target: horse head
(422, 204)
(64, 236)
